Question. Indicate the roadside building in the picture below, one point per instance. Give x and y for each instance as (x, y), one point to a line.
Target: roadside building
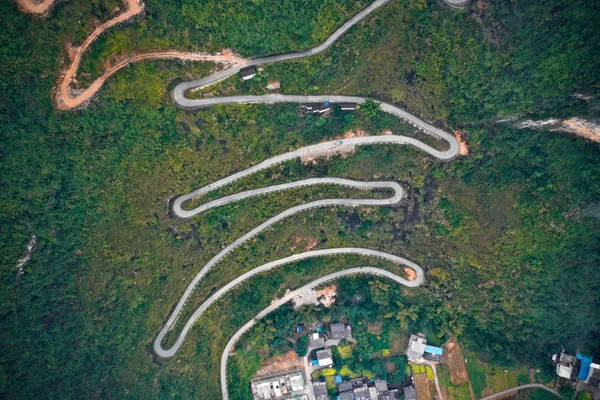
(316, 340)
(248, 72)
(567, 366)
(324, 358)
(348, 106)
(340, 332)
(320, 391)
(316, 108)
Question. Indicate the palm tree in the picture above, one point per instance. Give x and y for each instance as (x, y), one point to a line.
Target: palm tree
(404, 314)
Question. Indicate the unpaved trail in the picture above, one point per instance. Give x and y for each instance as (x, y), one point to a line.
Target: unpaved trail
(40, 7)
(66, 99)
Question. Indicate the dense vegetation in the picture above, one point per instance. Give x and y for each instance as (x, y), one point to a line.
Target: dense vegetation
(509, 235)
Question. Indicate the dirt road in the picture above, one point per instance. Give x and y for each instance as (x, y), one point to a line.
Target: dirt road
(66, 99)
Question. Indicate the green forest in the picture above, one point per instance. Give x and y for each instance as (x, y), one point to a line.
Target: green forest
(509, 236)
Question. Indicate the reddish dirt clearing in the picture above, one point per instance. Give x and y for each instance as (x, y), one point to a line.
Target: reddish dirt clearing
(422, 387)
(454, 357)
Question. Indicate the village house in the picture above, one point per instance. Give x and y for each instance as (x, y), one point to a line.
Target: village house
(320, 391)
(324, 358)
(316, 340)
(340, 332)
(419, 350)
(567, 366)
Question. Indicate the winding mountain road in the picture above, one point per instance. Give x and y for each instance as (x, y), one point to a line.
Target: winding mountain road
(66, 100)
(179, 91)
(180, 99)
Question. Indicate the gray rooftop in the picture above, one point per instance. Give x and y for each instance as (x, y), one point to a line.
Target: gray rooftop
(338, 331)
(381, 386)
(324, 354)
(416, 347)
(347, 396)
(344, 386)
(361, 393)
(320, 388)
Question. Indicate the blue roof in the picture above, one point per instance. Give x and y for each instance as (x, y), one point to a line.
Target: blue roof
(338, 379)
(586, 362)
(434, 350)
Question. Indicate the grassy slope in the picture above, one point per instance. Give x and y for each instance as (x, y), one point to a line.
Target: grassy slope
(96, 182)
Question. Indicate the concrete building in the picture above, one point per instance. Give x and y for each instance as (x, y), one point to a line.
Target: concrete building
(316, 108)
(593, 378)
(409, 393)
(316, 340)
(416, 347)
(280, 386)
(567, 366)
(324, 358)
(364, 389)
(320, 391)
(348, 106)
(419, 350)
(340, 332)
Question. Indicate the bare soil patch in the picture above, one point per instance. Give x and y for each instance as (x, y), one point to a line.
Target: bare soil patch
(288, 362)
(325, 296)
(463, 147)
(338, 150)
(411, 275)
(582, 128)
(310, 243)
(35, 7)
(354, 133)
(454, 357)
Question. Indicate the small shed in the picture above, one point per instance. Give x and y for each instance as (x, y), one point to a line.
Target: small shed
(348, 106)
(248, 72)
